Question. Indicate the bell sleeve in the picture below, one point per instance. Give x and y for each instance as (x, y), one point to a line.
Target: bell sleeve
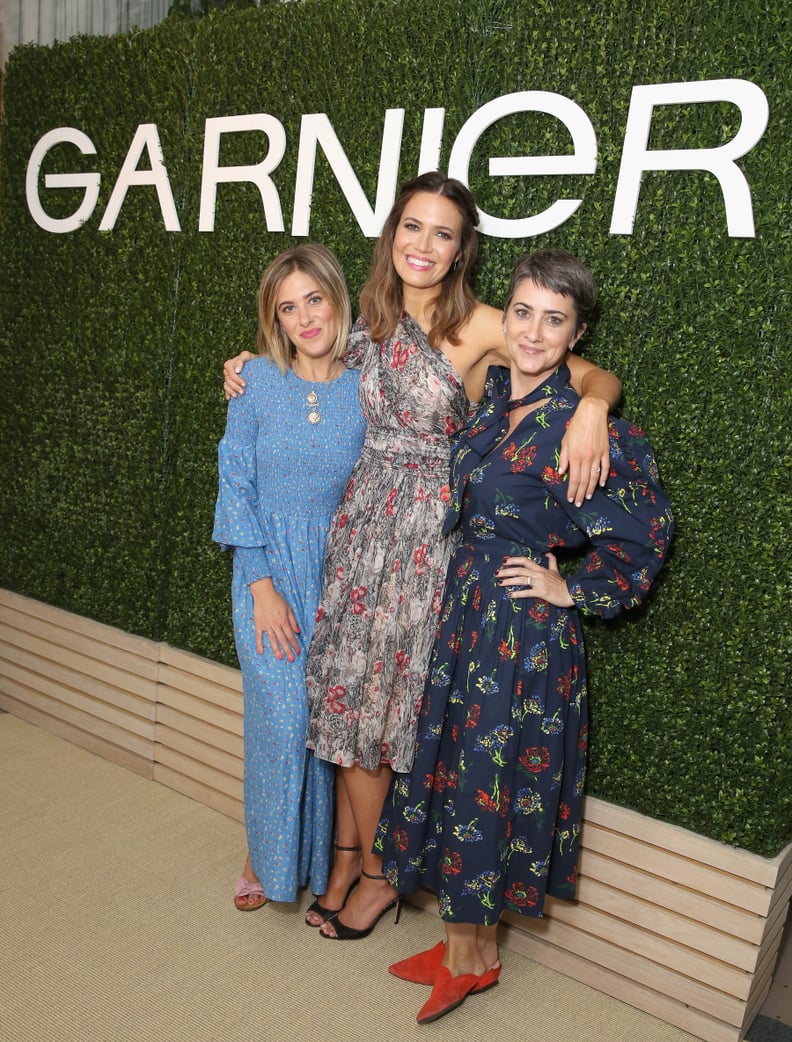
(236, 522)
(629, 523)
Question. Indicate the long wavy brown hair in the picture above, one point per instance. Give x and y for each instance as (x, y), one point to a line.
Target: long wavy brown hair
(381, 299)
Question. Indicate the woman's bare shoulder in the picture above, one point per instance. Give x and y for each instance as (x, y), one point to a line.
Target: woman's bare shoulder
(482, 334)
(485, 317)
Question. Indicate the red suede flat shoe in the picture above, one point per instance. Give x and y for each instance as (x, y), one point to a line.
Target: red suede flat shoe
(421, 968)
(449, 992)
(488, 979)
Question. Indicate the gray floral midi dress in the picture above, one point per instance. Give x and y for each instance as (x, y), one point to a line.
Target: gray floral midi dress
(386, 556)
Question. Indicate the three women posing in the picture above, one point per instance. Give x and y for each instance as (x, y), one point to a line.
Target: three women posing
(423, 346)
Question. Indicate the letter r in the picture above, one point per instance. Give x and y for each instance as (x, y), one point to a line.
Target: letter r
(720, 161)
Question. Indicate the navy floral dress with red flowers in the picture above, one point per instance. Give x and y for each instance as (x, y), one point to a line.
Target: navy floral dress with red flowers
(490, 816)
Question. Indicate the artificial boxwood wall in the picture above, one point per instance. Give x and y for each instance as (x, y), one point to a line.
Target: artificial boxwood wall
(111, 342)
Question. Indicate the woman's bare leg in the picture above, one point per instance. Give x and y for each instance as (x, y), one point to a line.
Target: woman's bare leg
(346, 858)
(366, 791)
(248, 873)
(487, 942)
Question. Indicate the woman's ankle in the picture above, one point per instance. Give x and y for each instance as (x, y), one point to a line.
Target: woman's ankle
(487, 943)
(345, 871)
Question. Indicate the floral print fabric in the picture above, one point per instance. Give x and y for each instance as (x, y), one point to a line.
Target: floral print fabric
(490, 817)
(386, 555)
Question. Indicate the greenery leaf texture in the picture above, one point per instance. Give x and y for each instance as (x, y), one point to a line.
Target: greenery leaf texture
(111, 343)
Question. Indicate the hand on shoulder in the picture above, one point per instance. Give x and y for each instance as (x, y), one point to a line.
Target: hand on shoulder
(233, 383)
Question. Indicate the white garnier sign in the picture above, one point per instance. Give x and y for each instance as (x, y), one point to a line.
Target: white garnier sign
(316, 131)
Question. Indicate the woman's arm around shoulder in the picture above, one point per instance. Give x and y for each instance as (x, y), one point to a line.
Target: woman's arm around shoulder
(482, 335)
(585, 450)
(481, 345)
(233, 384)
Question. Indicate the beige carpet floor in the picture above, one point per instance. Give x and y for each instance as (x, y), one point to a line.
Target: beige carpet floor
(117, 925)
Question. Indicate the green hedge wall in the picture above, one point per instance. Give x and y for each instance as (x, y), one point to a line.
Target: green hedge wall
(111, 342)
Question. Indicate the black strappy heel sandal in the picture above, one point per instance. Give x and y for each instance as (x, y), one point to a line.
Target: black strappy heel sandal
(349, 933)
(327, 913)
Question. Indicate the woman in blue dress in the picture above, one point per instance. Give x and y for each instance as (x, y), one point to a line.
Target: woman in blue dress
(490, 816)
(287, 452)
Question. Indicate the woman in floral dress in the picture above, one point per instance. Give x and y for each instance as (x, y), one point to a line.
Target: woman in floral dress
(490, 816)
(423, 345)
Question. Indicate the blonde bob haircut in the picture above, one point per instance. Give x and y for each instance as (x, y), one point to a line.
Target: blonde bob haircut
(322, 267)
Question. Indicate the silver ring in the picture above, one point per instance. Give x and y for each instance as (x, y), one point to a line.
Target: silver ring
(528, 582)
(598, 467)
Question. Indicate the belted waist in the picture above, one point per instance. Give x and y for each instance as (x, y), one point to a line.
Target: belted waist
(407, 452)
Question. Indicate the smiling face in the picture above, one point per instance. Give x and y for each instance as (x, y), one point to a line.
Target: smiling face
(306, 315)
(540, 326)
(427, 240)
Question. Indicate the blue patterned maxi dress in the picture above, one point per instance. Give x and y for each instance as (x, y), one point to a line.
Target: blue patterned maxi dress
(490, 816)
(281, 478)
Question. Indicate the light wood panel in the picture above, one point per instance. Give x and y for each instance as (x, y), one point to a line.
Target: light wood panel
(92, 684)
(199, 730)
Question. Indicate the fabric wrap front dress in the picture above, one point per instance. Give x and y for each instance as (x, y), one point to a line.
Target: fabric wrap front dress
(386, 555)
(281, 478)
(490, 817)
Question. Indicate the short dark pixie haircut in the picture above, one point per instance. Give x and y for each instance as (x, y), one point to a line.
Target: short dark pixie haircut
(560, 272)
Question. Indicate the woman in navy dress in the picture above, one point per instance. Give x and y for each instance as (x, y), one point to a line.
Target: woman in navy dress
(286, 455)
(490, 816)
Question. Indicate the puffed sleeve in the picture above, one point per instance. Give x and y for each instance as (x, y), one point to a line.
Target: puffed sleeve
(236, 522)
(358, 344)
(629, 523)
